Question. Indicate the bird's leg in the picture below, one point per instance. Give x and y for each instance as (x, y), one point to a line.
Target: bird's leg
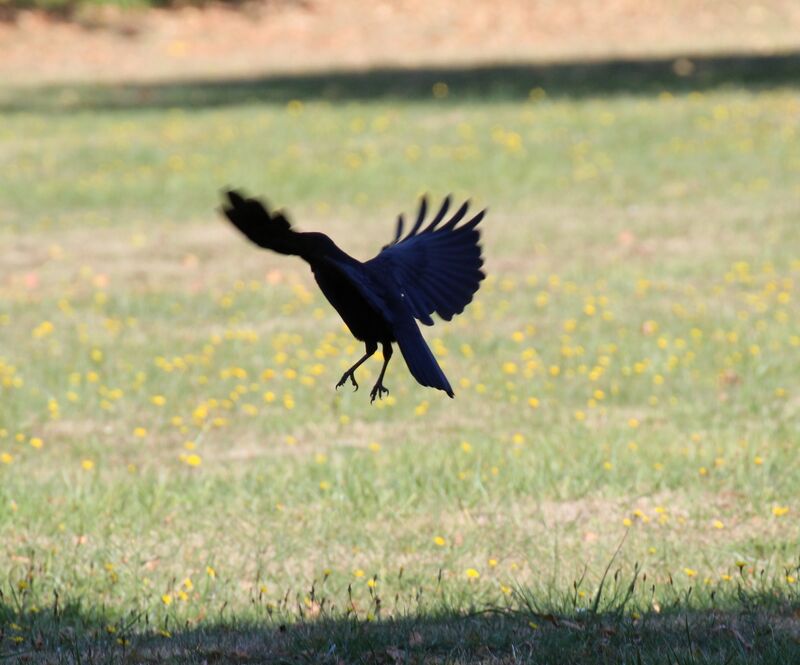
(379, 390)
(372, 347)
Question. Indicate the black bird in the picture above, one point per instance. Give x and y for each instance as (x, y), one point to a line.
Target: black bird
(436, 269)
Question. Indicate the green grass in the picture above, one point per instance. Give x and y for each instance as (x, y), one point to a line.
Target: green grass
(173, 456)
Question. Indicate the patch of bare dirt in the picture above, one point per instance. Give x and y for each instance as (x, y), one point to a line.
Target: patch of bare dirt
(268, 36)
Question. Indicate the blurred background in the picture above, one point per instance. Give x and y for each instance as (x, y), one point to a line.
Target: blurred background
(138, 41)
(178, 476)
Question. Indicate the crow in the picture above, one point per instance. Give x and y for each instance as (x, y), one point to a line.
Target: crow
(431, 269)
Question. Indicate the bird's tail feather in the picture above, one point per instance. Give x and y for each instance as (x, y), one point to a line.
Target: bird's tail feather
(265, 228)
(418, 356)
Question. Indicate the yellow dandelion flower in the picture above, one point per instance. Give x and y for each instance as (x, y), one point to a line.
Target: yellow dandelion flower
(140, 432)
(44, 329)
(166, 599)
(87, 465)
(780, 511)
(438, 540)
(472, 574)
(193, 460)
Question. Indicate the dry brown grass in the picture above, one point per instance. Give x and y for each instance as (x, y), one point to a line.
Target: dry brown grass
(217, 41)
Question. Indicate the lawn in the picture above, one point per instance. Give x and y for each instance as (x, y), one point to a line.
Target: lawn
(616, 480)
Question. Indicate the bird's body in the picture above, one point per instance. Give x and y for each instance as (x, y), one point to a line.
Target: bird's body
(435, 270)
(364, 322)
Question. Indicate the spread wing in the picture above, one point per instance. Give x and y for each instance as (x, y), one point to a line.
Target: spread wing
(436, 269)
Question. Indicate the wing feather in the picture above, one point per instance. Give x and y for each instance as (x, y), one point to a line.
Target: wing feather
(439, 215)
(423, 208)
(437, 269)
(400, 222)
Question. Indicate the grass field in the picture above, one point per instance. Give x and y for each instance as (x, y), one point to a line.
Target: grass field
(616, 480)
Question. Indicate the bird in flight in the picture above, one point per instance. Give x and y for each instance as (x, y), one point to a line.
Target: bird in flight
(432, 269)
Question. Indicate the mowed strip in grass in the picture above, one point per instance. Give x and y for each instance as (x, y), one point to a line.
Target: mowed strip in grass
(173, 455)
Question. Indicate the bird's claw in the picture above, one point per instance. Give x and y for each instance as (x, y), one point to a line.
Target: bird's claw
(378, 391)
(343, 380)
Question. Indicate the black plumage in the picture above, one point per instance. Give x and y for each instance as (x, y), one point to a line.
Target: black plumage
(435, 269)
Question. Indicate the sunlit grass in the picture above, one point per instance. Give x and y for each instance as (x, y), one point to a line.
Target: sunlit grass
(170, 440)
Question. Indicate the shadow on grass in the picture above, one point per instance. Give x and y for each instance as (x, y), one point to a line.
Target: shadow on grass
(502, 82)
(757, 630)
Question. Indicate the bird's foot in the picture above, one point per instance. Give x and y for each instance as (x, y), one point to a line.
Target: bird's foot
(378, 391)
(343, 380)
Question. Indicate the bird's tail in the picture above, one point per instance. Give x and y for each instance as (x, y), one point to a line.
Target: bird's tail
(418, 356)
(253, 218)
